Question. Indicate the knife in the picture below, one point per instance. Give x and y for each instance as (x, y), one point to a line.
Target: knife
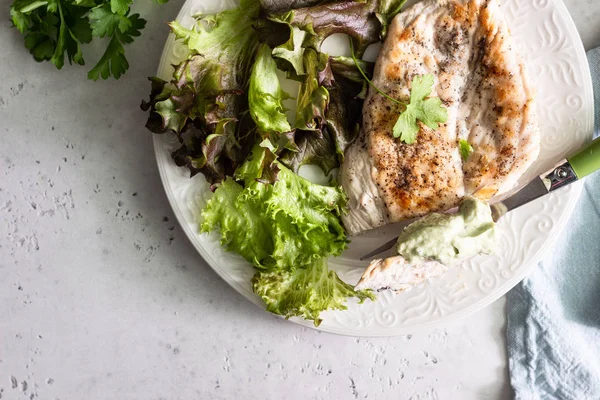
(582, 163)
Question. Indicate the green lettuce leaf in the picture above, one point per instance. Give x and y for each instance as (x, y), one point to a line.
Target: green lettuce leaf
(265, 95)
(305, 292)
(292, 50)
(286, 229)
(225, 39)
(301, 218)
(242, 226)
(313, 98)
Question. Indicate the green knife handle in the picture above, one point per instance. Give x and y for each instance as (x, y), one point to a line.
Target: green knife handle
(586, 160)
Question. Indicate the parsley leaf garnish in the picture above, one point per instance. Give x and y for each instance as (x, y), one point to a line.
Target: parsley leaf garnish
(55, 28)
(428, 110)
(465, 149)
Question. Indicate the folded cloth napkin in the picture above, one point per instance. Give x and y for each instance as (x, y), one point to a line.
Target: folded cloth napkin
(553, 332)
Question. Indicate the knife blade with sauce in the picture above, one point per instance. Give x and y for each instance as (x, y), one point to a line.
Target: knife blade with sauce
(573, 168)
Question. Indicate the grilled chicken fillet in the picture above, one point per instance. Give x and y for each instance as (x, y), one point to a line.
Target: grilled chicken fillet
(480, 79)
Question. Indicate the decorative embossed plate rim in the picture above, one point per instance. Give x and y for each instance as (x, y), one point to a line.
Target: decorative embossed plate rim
(546, 35)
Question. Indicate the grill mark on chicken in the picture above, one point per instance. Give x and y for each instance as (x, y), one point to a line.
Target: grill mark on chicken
(466, 45)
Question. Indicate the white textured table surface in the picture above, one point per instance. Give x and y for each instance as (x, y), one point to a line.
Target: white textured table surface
(102, 296)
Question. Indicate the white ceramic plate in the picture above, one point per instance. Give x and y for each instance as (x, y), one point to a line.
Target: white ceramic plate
(549, 41)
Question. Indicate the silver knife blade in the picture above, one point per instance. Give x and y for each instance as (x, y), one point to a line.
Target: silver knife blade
(553, 179)
(380, 249)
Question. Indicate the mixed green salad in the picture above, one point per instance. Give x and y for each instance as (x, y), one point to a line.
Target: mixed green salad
(225, 104)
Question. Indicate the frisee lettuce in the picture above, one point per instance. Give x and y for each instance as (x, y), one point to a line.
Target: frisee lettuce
(285, 225)
(286, 230)
(305, 292)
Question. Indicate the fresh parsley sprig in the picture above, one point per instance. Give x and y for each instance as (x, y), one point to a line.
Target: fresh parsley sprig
(428, 110)
(421, 107)
(55, 28)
